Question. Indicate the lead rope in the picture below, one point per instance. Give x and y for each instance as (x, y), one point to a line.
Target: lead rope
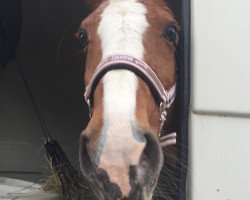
(72, 184)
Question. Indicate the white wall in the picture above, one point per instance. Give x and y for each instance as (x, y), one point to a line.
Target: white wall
(220, 111)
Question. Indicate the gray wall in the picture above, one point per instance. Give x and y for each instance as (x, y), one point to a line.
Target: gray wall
(56, 82)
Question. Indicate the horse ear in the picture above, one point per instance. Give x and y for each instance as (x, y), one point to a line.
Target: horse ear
(92, 4)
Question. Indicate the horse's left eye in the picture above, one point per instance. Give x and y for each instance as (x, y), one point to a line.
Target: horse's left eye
(171, 34)
(83, 37)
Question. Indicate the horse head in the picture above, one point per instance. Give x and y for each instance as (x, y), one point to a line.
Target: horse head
(120, 153)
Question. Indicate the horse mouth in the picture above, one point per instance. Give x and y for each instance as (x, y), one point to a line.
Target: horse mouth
(142, 178)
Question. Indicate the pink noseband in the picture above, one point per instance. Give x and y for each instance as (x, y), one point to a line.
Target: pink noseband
(124, 61)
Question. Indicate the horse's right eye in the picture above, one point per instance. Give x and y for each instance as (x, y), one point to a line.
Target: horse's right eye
(171, 34)
(83, 37)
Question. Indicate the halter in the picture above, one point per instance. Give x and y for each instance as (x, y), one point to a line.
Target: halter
(124, 61)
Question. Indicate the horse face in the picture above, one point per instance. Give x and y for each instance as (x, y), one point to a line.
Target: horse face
(119, 150)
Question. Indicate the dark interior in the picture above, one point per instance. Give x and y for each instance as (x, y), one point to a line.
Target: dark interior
(52, 61)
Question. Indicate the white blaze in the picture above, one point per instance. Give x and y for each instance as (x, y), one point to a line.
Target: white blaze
(121, 29)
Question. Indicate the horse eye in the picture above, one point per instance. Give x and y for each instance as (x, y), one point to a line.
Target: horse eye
(170, 33)
(83, 37)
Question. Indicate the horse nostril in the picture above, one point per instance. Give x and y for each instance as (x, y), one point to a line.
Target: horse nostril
(152, 156)
(85, 161)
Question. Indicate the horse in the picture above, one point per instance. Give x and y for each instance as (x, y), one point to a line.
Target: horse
(130, 74)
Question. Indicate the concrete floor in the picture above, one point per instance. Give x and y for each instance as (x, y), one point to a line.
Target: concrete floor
(11, 189)
(32, 177)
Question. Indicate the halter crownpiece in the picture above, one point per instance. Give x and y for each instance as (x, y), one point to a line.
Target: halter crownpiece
(125, 61)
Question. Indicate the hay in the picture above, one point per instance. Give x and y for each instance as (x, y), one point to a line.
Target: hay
(165, 190)
(54, 184)
(52, 181)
